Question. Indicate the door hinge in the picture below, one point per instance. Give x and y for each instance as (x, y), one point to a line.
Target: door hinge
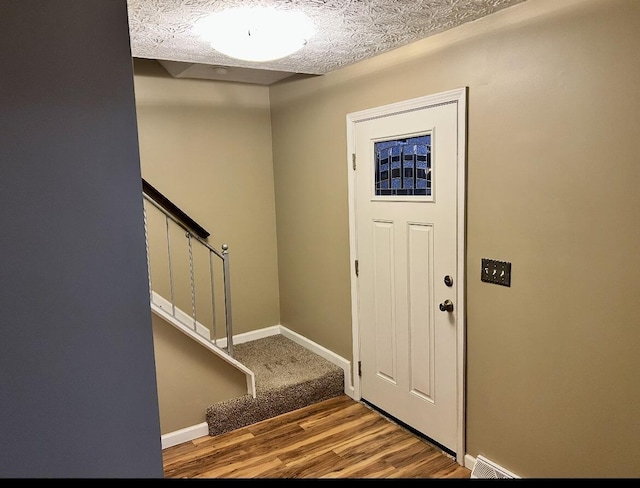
(353, 161)
(359, 368)
(357, 268)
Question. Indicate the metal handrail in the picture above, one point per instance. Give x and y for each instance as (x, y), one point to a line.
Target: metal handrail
(223, 255)
(183, 226)
(173, 209)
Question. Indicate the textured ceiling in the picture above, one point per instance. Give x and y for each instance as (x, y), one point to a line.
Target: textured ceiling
(348, 30)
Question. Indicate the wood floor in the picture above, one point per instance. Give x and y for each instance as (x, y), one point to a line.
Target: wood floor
(337, 438)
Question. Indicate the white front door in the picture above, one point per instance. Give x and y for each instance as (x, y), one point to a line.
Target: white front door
(407, 242)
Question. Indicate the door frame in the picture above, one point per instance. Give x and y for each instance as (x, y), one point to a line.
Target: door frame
(458, 97)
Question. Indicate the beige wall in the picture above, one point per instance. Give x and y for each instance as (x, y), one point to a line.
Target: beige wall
(207, 147)
(190, 378)
(553, 175)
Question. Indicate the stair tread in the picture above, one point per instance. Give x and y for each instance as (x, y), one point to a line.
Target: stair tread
(288, 377)
(278, 361)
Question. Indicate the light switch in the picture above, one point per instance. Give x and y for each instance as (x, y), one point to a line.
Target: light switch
(494, 271)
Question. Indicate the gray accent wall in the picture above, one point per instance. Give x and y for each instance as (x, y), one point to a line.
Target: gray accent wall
(78, 394)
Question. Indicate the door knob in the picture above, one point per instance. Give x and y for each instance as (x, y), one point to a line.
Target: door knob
(446, 306)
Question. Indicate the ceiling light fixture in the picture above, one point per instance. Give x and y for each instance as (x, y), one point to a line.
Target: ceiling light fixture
(256, 34)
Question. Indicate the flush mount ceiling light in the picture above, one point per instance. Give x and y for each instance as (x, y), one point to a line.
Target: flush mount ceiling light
(256, 34)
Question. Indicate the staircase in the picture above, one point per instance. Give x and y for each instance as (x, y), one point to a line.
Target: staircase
(288, 376)
(191, 291)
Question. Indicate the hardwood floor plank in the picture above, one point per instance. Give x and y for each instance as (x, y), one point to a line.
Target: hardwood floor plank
(255, 468)
(313, 466)
(417, 451)
(430, 466)
(196, 448)
(336, 438)
(377, 469)
(373, 453)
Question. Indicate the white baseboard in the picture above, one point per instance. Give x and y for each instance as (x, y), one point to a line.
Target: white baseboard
(256, 334)
(469, 461)
(166, 314)
(326, 354)
(185, 435)
(180, 315)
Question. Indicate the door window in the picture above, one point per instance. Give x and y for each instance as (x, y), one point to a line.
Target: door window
(403, 167)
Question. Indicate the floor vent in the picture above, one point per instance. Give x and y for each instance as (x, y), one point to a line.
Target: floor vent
(486, 469)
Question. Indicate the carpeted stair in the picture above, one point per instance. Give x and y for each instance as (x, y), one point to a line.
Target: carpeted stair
(288, 377)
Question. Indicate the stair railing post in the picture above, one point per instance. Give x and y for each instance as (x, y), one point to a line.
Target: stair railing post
(213, 299)
(193, 283)
(173, 299)
(227, 298)
(146, 244)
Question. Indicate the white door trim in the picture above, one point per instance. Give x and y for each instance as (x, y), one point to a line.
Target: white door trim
(459, 97)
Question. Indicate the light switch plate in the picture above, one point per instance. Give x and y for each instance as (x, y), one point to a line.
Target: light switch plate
(497, 272)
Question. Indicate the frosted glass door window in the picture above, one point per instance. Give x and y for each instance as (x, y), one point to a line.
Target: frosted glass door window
(403, 166)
